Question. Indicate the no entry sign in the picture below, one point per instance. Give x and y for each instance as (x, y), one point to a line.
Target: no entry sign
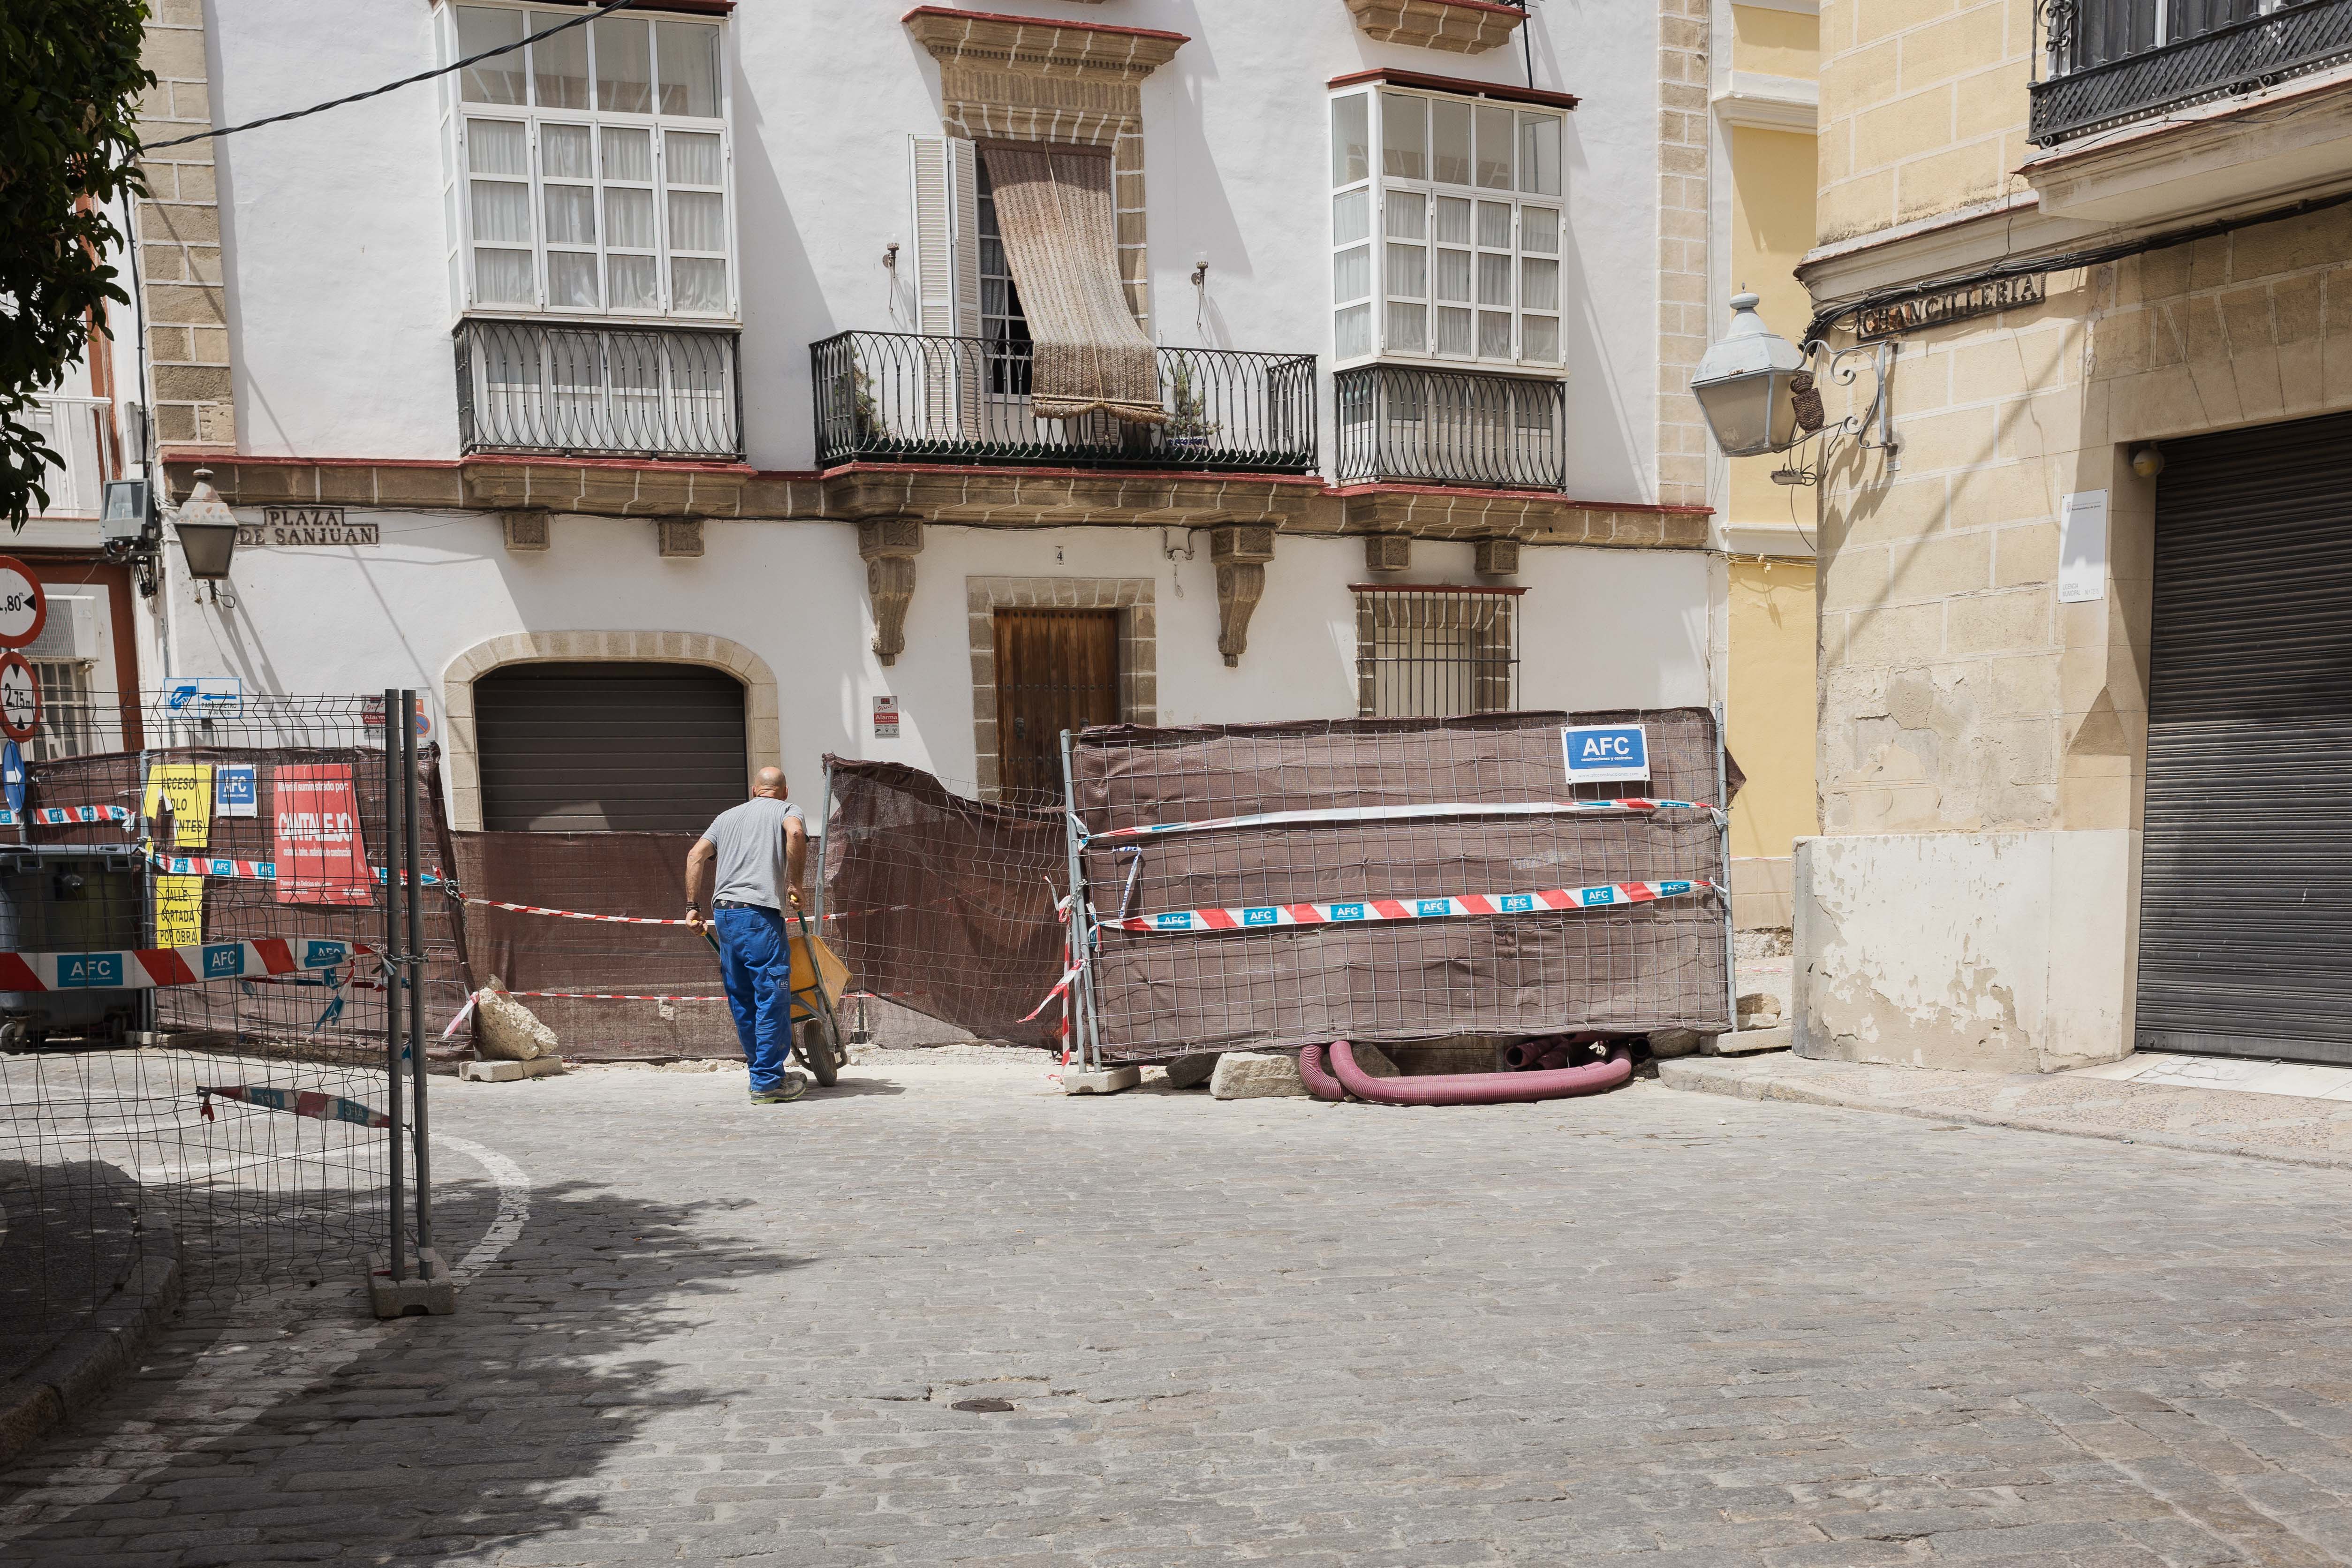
(23, 604)
(20, 698)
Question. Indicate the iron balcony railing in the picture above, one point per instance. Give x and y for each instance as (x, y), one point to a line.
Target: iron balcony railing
(897, 398)
(2104, 63)
(592, 390)
(1451, 426)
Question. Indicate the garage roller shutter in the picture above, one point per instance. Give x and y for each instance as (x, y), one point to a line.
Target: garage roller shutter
(573, 748)
(2246, 880)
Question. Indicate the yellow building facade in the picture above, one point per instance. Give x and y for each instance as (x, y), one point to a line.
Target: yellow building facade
(2079, 671)
(1764, 98)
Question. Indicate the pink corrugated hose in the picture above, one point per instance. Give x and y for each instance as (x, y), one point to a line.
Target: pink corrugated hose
(1464, 1088)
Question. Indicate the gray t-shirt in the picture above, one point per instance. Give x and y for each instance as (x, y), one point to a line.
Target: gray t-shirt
(750, 840)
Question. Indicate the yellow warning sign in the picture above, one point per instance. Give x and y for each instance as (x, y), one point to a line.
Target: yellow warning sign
(187, 789)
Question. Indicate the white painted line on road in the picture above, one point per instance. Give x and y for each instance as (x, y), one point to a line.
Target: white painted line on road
(514, 1205)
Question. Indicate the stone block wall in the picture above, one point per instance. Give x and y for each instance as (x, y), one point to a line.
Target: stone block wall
(179, 237)
(1923, 109)
(1684, 329)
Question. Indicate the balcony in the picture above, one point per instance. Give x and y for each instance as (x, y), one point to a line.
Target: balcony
(590, 390)
(893, 397)
(1451, 427)
(2111, 62)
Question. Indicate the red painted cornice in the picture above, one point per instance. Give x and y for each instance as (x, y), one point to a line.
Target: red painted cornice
(1502, 92)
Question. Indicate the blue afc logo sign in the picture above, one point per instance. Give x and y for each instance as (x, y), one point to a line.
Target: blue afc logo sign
(82, 969)
(1517, 903)
(324, 955)
(1606, 753)
(1347, 911)
(1593, 896)
(224, 961)
(1261, 917)
(1172, 923)
(1435, 907)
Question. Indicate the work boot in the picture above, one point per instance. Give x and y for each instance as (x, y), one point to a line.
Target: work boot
(784, 1094)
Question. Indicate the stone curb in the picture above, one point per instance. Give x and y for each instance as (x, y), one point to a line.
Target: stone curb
(87, 1361)
(1740, 1080)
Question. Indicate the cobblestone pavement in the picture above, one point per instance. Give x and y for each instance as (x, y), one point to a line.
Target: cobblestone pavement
(1667, 1329)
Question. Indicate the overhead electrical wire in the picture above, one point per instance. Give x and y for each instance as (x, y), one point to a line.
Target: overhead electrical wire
(581, 20)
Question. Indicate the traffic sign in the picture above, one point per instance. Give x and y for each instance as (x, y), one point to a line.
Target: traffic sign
(12, 776)
(23, 604)
(20, 698)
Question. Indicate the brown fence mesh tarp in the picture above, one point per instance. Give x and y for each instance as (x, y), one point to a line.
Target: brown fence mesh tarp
(942, 904)
(639, 874)
(1627, 970)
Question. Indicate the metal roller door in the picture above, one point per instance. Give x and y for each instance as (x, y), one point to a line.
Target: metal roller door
(587, 748)
(2245, 942)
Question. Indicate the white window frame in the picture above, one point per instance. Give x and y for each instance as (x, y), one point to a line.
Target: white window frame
(456, 177)
(1405, 213)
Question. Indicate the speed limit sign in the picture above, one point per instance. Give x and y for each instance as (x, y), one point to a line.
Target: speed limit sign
(20, 698)
(23, 604)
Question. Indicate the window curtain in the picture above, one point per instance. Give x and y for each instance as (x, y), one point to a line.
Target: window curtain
(1061, 242)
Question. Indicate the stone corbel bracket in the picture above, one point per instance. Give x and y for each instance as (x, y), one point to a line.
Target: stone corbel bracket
(1033, 79)
(888, 546)
(1460, 27)
(1240, 555)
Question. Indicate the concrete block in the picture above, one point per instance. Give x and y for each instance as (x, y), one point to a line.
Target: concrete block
(1110, 1081)
(1749, 1042)
(1758, 1009)
(428, 1291)
(1192, 1072)
(1665, 1043)
(1255, 1074)
(509, 1072)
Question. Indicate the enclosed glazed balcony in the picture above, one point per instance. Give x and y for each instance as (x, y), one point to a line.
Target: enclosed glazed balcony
(2107, 63)
(897, 398)
(1403, 423)
(591, 390)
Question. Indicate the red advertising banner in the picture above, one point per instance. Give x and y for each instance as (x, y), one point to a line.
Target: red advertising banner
(321, 860)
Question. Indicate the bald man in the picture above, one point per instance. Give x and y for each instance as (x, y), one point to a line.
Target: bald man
(758, 849)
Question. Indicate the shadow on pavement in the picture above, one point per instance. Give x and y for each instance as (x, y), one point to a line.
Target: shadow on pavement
(426, 1438)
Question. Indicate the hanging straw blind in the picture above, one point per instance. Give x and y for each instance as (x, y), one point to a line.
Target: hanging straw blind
(1055, 208)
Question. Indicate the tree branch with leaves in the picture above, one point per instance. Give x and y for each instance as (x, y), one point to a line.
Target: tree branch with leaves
(70, 84)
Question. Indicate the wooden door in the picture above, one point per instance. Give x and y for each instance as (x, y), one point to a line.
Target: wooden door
(1055, 670)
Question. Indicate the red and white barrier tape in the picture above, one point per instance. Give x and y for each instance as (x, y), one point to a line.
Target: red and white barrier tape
(143, 968)
(611, 997)
(573, 915)
(1606, 895)
(1061, 988)
(307, 1102)
(1402, 814)
(58, 815)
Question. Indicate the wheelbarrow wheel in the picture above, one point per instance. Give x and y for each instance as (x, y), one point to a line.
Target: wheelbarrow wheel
(819, 1052)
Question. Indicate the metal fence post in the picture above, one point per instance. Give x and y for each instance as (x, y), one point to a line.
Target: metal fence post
(391, 968)
(413, 868)
(1722, 858)
(1085, 1030)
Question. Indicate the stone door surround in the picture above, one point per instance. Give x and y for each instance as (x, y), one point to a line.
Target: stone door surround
(1139, 648)
(462, 776)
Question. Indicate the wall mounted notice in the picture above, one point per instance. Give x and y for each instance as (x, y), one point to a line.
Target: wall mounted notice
(236, 789)
(1606, 753)
(885, 718)
(321, 860)
(179, 911)
(187, 789)
(2083, 547)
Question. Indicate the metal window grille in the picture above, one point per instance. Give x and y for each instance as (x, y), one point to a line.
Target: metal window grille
(2103, 63)
(1435, 652)
(1451, 426)
(528, 386)
(900, 397)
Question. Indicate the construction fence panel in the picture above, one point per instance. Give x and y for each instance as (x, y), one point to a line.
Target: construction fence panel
(1626, 969)
(943, 903)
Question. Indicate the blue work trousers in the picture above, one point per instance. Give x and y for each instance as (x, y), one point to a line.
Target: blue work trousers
(756, 957)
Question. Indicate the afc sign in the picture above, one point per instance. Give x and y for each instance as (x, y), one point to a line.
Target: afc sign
(1606, 753)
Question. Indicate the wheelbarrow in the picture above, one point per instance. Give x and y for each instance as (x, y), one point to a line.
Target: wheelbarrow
(816, 985)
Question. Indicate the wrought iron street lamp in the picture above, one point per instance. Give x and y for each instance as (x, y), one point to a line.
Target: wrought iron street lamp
(1757, 391)
(207, 530)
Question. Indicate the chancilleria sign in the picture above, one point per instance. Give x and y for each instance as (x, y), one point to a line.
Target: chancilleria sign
(300, 527)
(1944, 305)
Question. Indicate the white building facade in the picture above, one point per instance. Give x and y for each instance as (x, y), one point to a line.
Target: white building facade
(920, 382)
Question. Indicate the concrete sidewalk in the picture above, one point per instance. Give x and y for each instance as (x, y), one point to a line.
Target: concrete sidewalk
(2098, 1103)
